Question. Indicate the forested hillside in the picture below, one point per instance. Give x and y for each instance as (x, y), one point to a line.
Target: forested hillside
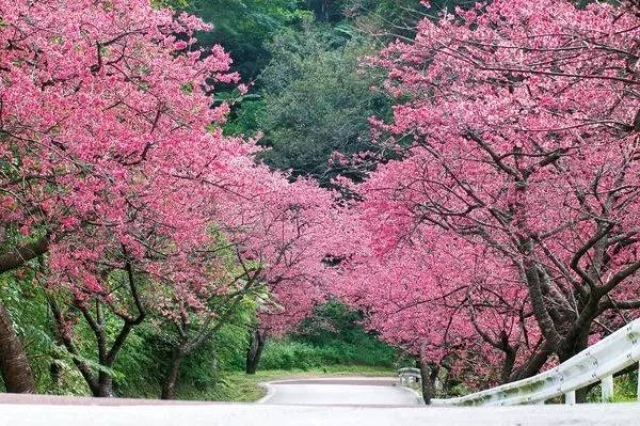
(195, 189)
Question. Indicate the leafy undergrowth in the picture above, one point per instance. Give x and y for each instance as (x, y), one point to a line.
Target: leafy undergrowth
(624, 389)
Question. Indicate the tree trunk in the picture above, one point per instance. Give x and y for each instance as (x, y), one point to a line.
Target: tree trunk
(428, 376)
(171, 379)
(14, 364)
(104, 388)
(532, 366)
(55, 366)
(580, 343)
(508, 364)
(254, 352)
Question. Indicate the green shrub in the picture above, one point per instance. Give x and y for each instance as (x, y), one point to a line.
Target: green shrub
(336, 337)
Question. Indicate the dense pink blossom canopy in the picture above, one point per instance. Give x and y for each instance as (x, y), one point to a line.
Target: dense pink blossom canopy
(113, 156)
(514, 215)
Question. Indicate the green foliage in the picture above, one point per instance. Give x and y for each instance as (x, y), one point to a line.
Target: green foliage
(388, 20)
(624, 389)
(315, 98)
(140, 364)
(150, 350)
(287, 355)
(170, 3)
(334, 321)
(318, 100)
(243, 26)
(231, 342)
(331, 342)
(332, 336)
(245, 117)
(52, 366)
(331, 11)
(236, 387)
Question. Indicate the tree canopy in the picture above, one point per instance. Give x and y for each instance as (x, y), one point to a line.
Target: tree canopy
(464, 176)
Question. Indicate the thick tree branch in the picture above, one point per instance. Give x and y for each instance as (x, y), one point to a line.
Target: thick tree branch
(22, 254)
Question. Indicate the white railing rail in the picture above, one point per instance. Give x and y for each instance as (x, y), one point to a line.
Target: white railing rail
(409, 376)
(598, 363)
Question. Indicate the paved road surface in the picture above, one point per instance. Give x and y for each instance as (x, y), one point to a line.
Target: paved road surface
(30, 411)
(340, 391)
(278, 415)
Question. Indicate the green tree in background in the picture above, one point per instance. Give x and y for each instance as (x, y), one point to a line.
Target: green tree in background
(317, 100)
(330, 11)
(337, 331)
(244, 27)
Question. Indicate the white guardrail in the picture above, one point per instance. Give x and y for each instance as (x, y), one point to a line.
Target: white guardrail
(598, 363)
(409, 376)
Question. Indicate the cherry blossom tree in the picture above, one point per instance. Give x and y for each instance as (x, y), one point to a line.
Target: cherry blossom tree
(423, 297)
(520, 183)
(111, 154)
(195, 307)
(267, 254)
(284, 229)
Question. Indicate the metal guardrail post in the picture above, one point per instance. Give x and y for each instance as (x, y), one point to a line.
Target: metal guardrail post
(409, 377)
(638, 390)
(570, 398)
(607, 388)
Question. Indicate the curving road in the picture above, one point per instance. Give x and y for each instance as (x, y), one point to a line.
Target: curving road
(340, 395)
(380, 392)
(278, 415)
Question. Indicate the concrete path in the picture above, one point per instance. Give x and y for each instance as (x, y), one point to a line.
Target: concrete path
(340, 391)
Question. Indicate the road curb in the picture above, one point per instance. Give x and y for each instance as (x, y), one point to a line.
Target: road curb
(415, 393)
(270, 392)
